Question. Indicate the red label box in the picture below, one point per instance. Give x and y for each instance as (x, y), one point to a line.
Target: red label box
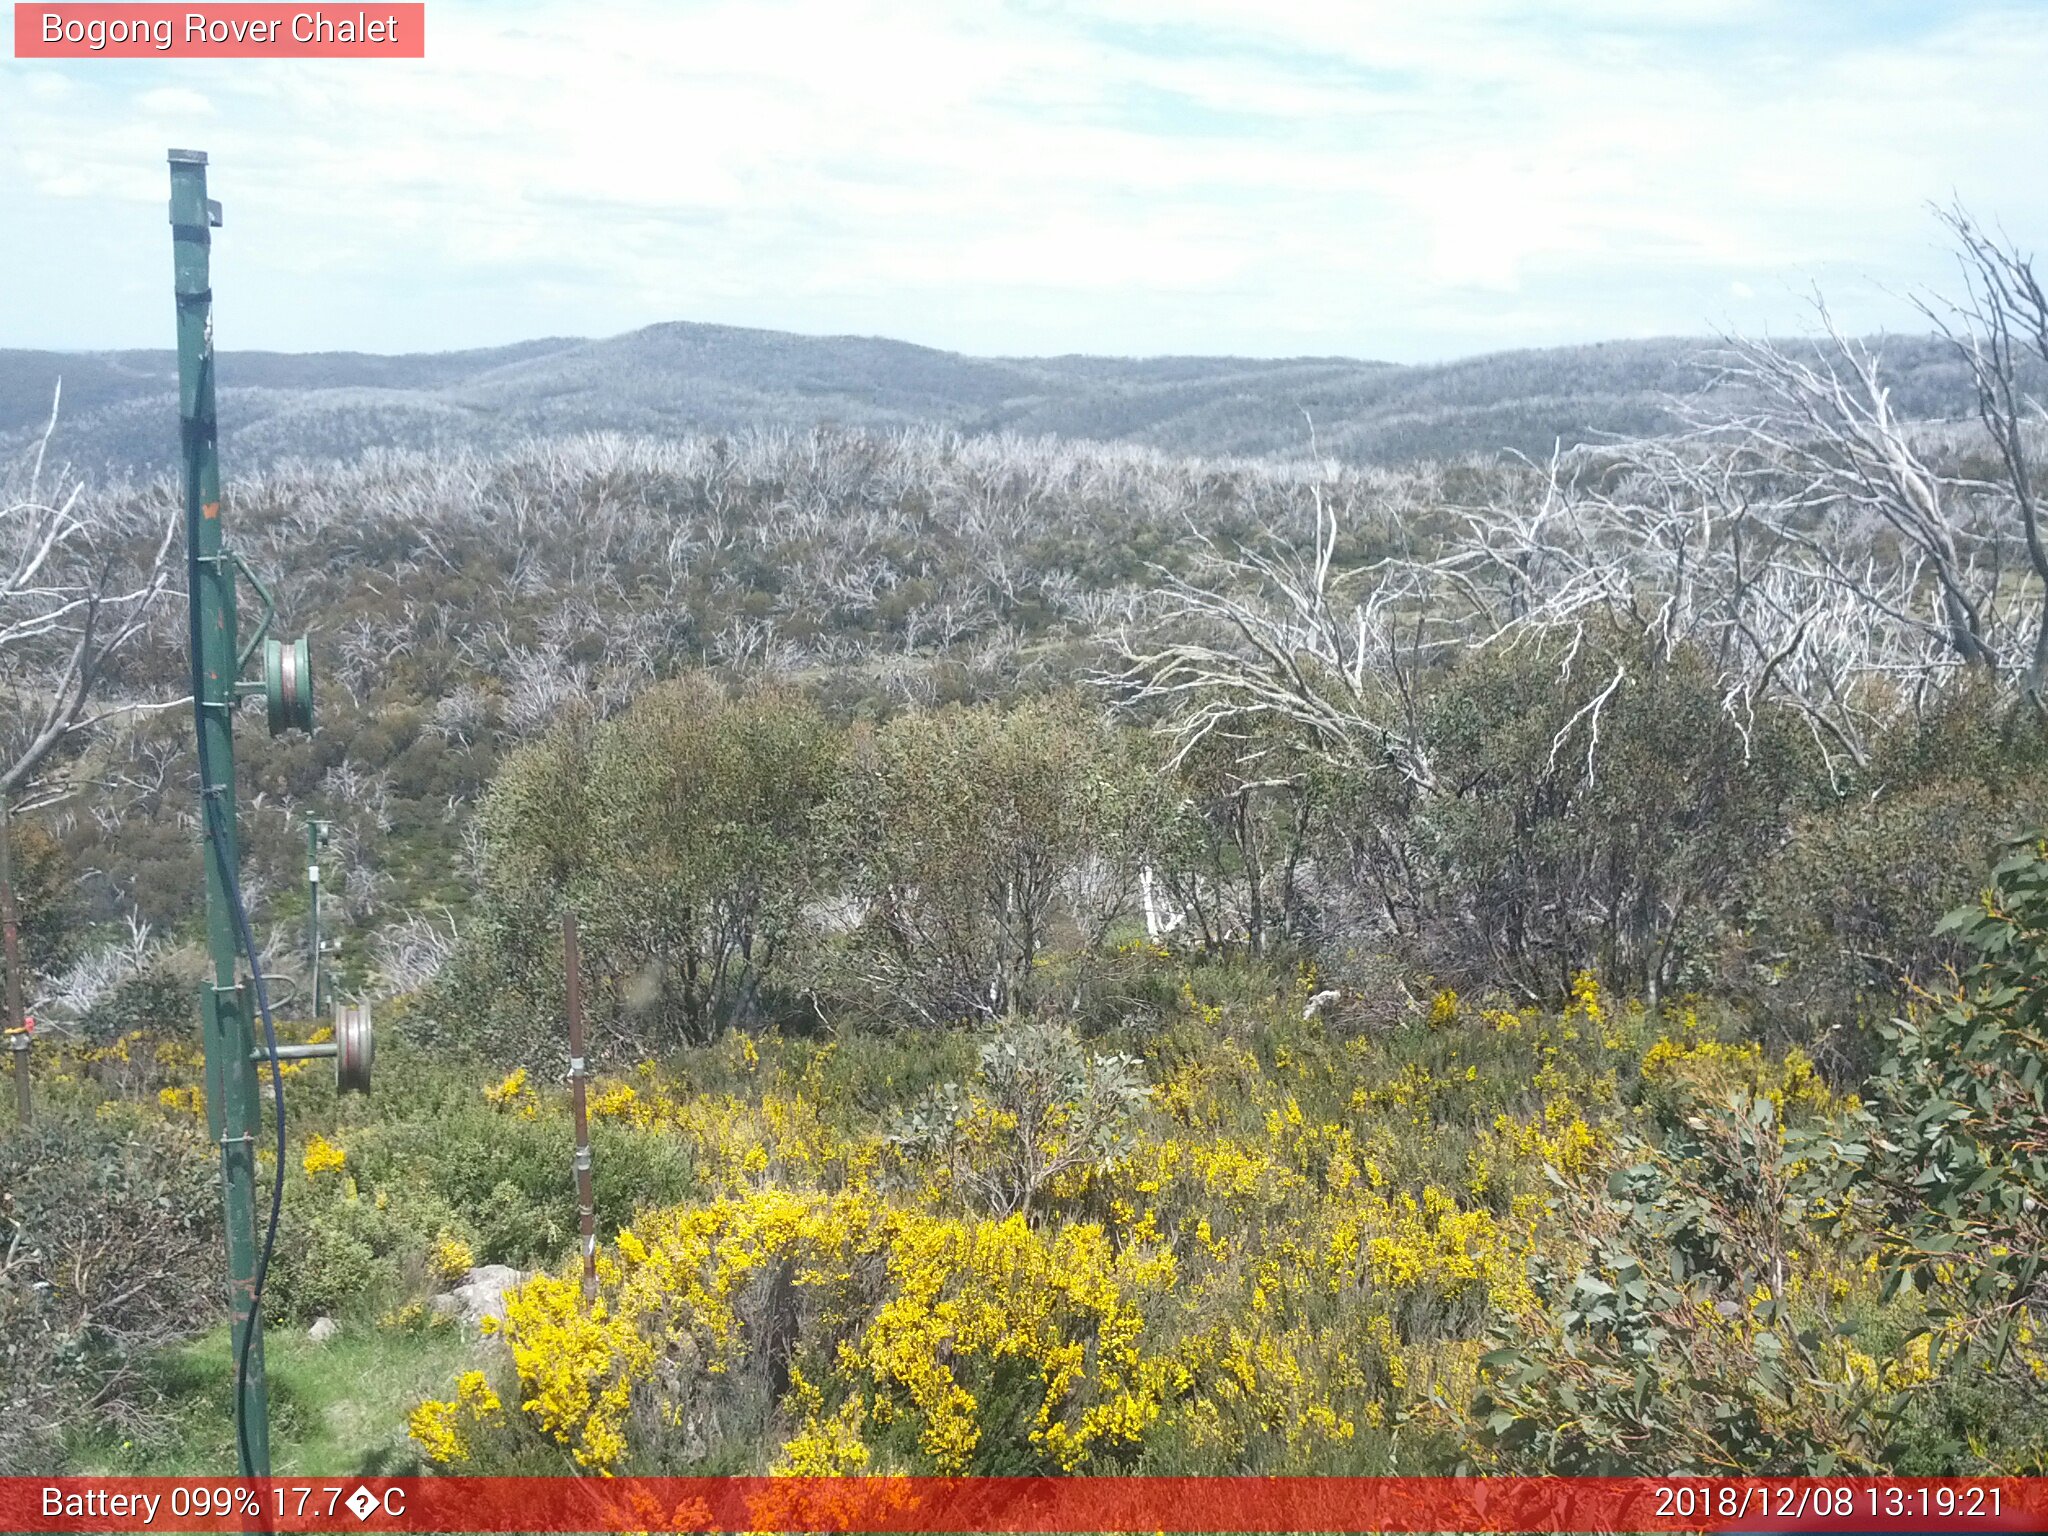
(927, 1506)
(235, 31)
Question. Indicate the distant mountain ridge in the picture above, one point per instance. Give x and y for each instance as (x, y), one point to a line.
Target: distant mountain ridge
(119, 409)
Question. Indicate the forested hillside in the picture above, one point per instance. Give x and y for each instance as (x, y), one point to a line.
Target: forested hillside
(694, 378)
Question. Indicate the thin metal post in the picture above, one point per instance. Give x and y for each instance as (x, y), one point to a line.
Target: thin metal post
(316, 833)
(24, 1100)
(233, 1108)
(17, 1025)
(586, 1205)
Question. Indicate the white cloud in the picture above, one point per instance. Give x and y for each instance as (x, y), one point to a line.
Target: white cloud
(1366, 176)
(171, 101)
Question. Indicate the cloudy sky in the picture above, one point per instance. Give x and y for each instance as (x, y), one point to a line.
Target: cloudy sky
(1379, 178)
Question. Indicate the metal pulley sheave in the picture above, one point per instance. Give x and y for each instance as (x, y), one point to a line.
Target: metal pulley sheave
(354, 1046)
(353, 1049)
(288, 685)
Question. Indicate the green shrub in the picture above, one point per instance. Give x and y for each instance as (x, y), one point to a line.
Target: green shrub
(444, 1157)
(1845, 917)
(977, 841)
(1960, 1158)
(1039, 1105)
(332, 1254)
(45, 898)
(1681, 1343)
(154, 1001)
(110, 1233)
(1539, 849)
(681, 833)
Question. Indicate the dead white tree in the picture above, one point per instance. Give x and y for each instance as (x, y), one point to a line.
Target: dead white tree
(1276, 647)
(1700, 541)
(1851, 486)
(96, 975)
(1999, 327)
(78, 577)
(411, 952)
(1827, 553)
(1800, 534)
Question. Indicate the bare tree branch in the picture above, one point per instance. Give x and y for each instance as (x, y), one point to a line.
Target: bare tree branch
(79, 576)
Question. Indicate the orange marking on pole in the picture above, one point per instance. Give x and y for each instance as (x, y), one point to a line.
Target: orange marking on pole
(210, 509)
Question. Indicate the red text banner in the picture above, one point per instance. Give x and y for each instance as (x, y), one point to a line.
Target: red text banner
(1076, 1504)
(230, 31)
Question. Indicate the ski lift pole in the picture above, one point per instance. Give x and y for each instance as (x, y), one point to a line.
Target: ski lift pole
(233, 1107)
(17, 1030)
(19, 1039)
(579, 1103)
(316, 834)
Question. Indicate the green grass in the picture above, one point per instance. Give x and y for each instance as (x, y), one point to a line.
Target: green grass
(337, 1409)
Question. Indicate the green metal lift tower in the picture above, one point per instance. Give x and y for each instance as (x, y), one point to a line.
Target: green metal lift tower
(233, 999)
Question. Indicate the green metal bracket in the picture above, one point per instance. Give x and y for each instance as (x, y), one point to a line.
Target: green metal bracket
(262, 624)
(287, 680)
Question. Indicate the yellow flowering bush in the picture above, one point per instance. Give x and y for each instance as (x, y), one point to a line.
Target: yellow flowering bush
(1710, 1070)
(615, 1101)
(323, 1156)
(1560, 1138)
(189, 1100)
(923, 1310)
(451, 1258)
(1291, 1261)
(512, 1092)
(445, 1431)
(938, 1339)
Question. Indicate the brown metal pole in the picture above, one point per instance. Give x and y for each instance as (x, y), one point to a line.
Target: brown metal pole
(17, 1026)
(586, 1206)
(24, 1107)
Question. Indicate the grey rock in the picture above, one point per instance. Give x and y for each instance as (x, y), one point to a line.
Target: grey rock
(323, 1330)
(480, 1295)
